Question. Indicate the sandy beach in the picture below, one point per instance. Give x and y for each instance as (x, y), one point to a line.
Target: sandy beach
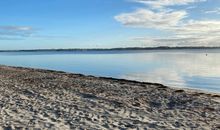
(43, 99)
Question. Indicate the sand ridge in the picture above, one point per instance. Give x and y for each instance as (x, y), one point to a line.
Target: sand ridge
(43, 99)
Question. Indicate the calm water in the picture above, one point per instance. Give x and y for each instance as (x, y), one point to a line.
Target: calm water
(198, 69)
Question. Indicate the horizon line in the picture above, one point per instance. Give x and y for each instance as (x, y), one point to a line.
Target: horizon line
(117, 48)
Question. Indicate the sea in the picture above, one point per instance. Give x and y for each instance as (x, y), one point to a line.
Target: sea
(182, 68)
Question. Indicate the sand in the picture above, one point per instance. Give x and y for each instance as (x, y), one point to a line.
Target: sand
(43, 99)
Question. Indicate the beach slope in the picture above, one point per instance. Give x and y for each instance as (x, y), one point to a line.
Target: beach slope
(34, 98)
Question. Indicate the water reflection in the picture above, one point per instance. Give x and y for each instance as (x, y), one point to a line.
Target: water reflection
(196, 69)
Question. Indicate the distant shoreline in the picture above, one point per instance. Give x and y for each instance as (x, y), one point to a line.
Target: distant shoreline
(114, 49)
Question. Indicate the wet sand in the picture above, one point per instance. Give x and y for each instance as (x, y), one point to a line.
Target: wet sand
(43, 99)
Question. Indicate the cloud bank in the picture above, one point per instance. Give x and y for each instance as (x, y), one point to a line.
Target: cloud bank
(183, 30)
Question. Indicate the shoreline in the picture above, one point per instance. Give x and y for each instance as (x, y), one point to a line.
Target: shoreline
(49, 99)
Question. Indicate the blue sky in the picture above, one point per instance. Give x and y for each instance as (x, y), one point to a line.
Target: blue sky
(33, 24)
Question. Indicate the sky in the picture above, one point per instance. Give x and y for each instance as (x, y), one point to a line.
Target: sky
(45, 24)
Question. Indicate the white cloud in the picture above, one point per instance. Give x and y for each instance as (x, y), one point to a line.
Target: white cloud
(15, 32)
(202, 26)
(181, 30)
(214, 11)
(149, 19)
(191, 33)
(165, 3)
(22, 32)
(17, 28)
(198, 33)
(191, 7)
